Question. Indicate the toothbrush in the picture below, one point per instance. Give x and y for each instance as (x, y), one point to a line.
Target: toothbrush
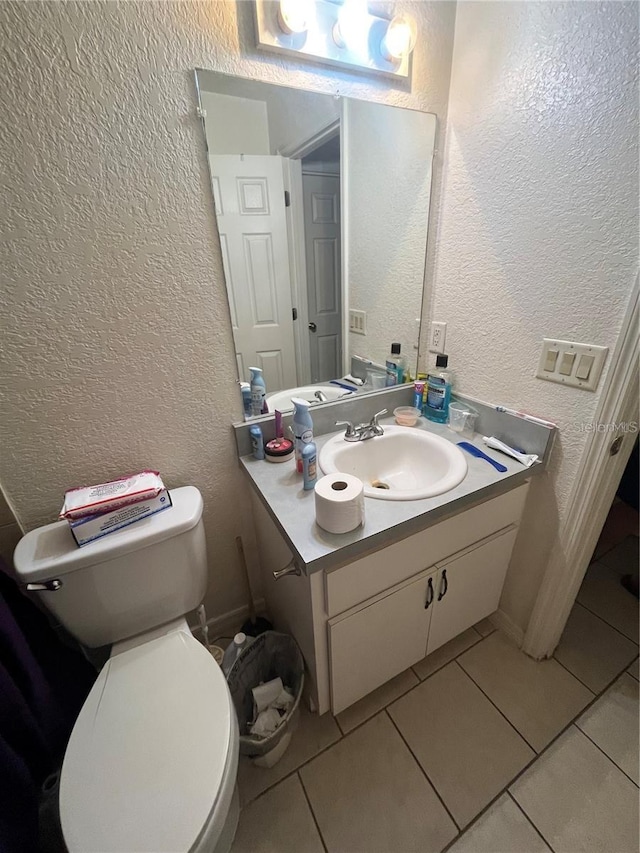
(475, 451)
(525, 417)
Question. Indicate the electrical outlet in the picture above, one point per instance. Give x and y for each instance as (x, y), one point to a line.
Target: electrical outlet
(437, 337)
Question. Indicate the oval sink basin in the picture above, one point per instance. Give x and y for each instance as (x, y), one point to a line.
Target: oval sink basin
(404, 464)
(281, 400)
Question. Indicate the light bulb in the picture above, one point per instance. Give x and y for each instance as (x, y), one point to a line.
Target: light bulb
(294, 16)
(352, 27)
(400, 38)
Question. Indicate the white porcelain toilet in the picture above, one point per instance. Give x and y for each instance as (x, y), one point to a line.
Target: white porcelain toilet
(152, 760)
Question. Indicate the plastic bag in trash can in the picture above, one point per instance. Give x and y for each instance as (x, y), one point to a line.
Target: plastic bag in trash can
(271, 655)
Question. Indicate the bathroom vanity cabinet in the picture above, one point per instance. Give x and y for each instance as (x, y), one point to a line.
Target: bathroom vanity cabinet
(362, 622)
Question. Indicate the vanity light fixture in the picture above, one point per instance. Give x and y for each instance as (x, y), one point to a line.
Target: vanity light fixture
(336, 32)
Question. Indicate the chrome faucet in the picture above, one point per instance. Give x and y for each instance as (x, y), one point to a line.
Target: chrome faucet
(321, 396)
(363, 431)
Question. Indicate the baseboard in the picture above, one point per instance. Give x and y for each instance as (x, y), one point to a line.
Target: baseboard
(228, 623)
(505, 624)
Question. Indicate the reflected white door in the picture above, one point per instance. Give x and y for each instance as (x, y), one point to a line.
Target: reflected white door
(249, 197)
(322, 244)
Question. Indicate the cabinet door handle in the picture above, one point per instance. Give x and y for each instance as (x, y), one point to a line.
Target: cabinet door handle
(444, 585)
(292, 568)
(429, 594)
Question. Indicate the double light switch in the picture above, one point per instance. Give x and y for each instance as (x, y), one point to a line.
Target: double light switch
(570, 363)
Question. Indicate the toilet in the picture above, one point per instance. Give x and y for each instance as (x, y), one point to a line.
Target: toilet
(152, 760)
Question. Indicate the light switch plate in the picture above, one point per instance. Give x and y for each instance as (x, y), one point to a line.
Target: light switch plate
(569, 348)
(357, 321)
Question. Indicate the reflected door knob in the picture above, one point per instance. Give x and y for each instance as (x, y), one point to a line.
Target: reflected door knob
(312, 327)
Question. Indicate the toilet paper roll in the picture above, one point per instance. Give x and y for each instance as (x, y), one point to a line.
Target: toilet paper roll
(339, 503)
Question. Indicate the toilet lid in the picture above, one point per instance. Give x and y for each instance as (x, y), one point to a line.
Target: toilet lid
(147, 754)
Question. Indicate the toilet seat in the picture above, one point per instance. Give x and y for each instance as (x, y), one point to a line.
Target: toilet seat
(153, 753)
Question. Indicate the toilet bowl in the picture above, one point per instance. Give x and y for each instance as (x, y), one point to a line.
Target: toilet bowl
(152, 760)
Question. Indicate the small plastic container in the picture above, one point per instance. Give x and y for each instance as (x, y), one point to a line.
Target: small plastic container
(406, 415)
(462, 419)
(375, 380)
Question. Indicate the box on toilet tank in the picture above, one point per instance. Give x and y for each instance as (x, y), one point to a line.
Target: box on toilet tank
(86, 530)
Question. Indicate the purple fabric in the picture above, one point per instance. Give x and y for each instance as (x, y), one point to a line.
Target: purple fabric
(43, 684)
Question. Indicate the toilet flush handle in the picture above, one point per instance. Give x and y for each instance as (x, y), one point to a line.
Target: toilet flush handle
(45, 586)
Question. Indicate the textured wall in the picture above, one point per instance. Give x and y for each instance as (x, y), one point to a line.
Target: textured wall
(539, 228)
(117, 343)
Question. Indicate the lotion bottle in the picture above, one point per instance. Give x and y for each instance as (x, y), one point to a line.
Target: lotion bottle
(309, 466)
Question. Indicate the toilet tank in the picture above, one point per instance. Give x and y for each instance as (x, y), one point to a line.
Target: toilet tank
(125, 583)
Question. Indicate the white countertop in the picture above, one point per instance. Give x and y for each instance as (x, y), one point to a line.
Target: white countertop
(279, 487)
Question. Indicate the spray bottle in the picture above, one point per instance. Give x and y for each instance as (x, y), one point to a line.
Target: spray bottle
(302, 428)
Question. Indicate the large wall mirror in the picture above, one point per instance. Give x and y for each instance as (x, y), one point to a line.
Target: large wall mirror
(322, 206)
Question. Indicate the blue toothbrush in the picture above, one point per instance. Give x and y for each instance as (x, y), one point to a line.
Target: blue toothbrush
(475, 451)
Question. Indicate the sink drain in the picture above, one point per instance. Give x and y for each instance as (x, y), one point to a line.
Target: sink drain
(378, 484)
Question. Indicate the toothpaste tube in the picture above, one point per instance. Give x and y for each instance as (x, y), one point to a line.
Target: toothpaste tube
(418, 394)
(526, 458)
(105, 497)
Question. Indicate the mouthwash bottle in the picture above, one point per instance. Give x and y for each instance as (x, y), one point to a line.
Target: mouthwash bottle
(438, 392)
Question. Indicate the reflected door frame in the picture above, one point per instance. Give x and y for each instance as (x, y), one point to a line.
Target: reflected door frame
(293, 156)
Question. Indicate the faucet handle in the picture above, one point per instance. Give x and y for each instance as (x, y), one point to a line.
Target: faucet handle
(375, 426)
(351, 430)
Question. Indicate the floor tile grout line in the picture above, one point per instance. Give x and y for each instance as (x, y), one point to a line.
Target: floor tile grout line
(629, 671)
(547, 747)
(413, 686)
(313, 814)
(468, 648)
(424, 772)
(602, 619)
(597, 745)
(382, 707)
(573, 675)
(599, 693)
(573, 720)
(527, 818)
(512, 782)
(595, 559)
(502, 714)
(295, 770)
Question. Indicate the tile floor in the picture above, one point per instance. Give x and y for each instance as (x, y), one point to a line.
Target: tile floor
(476, 749)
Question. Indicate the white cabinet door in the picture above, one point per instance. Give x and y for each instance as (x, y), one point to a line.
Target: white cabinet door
(468, 588)
(372, 645)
